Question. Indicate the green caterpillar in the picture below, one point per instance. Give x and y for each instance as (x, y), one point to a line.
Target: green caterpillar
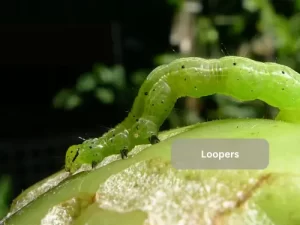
(238, 77)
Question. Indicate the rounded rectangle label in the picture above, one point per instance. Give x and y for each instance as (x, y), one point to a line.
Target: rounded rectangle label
(220, 154)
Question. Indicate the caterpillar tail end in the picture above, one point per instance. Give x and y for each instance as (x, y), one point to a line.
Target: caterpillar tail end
(291, 116)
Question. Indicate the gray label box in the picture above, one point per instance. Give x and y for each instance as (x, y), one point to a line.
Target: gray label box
(220, 154)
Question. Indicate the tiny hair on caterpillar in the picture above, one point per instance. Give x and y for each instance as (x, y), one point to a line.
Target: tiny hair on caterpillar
(238, 77)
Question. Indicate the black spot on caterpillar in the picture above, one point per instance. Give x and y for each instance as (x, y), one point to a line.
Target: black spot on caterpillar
(239, 77)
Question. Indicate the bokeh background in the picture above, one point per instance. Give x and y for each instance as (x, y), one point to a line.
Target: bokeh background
(70, 69)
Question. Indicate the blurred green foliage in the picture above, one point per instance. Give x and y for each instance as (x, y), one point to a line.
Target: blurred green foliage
(108, 85)
(5, 194)
(274, 38)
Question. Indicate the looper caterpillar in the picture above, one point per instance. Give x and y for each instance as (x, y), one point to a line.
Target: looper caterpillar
(239, 77)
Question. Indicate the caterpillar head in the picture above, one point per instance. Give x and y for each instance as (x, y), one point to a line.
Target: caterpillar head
(71, 157)
(78, 155)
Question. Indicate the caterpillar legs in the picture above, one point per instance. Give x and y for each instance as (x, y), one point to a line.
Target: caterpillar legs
(124, 153)
(94, 164)
(154, 139)
(144, 131)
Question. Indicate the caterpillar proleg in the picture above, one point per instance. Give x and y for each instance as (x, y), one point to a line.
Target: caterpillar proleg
(239, 77)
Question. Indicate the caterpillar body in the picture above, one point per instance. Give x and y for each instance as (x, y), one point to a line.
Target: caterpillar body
(239, 77)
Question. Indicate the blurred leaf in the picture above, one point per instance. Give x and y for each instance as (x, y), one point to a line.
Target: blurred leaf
(166, 58)
(294, 22)
(67, 99)
(105, 95)
(72, 102)
(226, 100)
(86, 82)
(5, 192)
(120, 76)
(250, 5)
(231, 111)
(60, 99)
(139, 77)
(93, 82)
(238, 26)
(229, 107)
(114, 76)
(174, 119)
(207, 33)
(297, 4)
(176, 3)
(191, 117)
(288, 61)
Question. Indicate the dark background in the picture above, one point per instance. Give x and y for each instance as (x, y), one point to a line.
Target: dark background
(46, 45)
